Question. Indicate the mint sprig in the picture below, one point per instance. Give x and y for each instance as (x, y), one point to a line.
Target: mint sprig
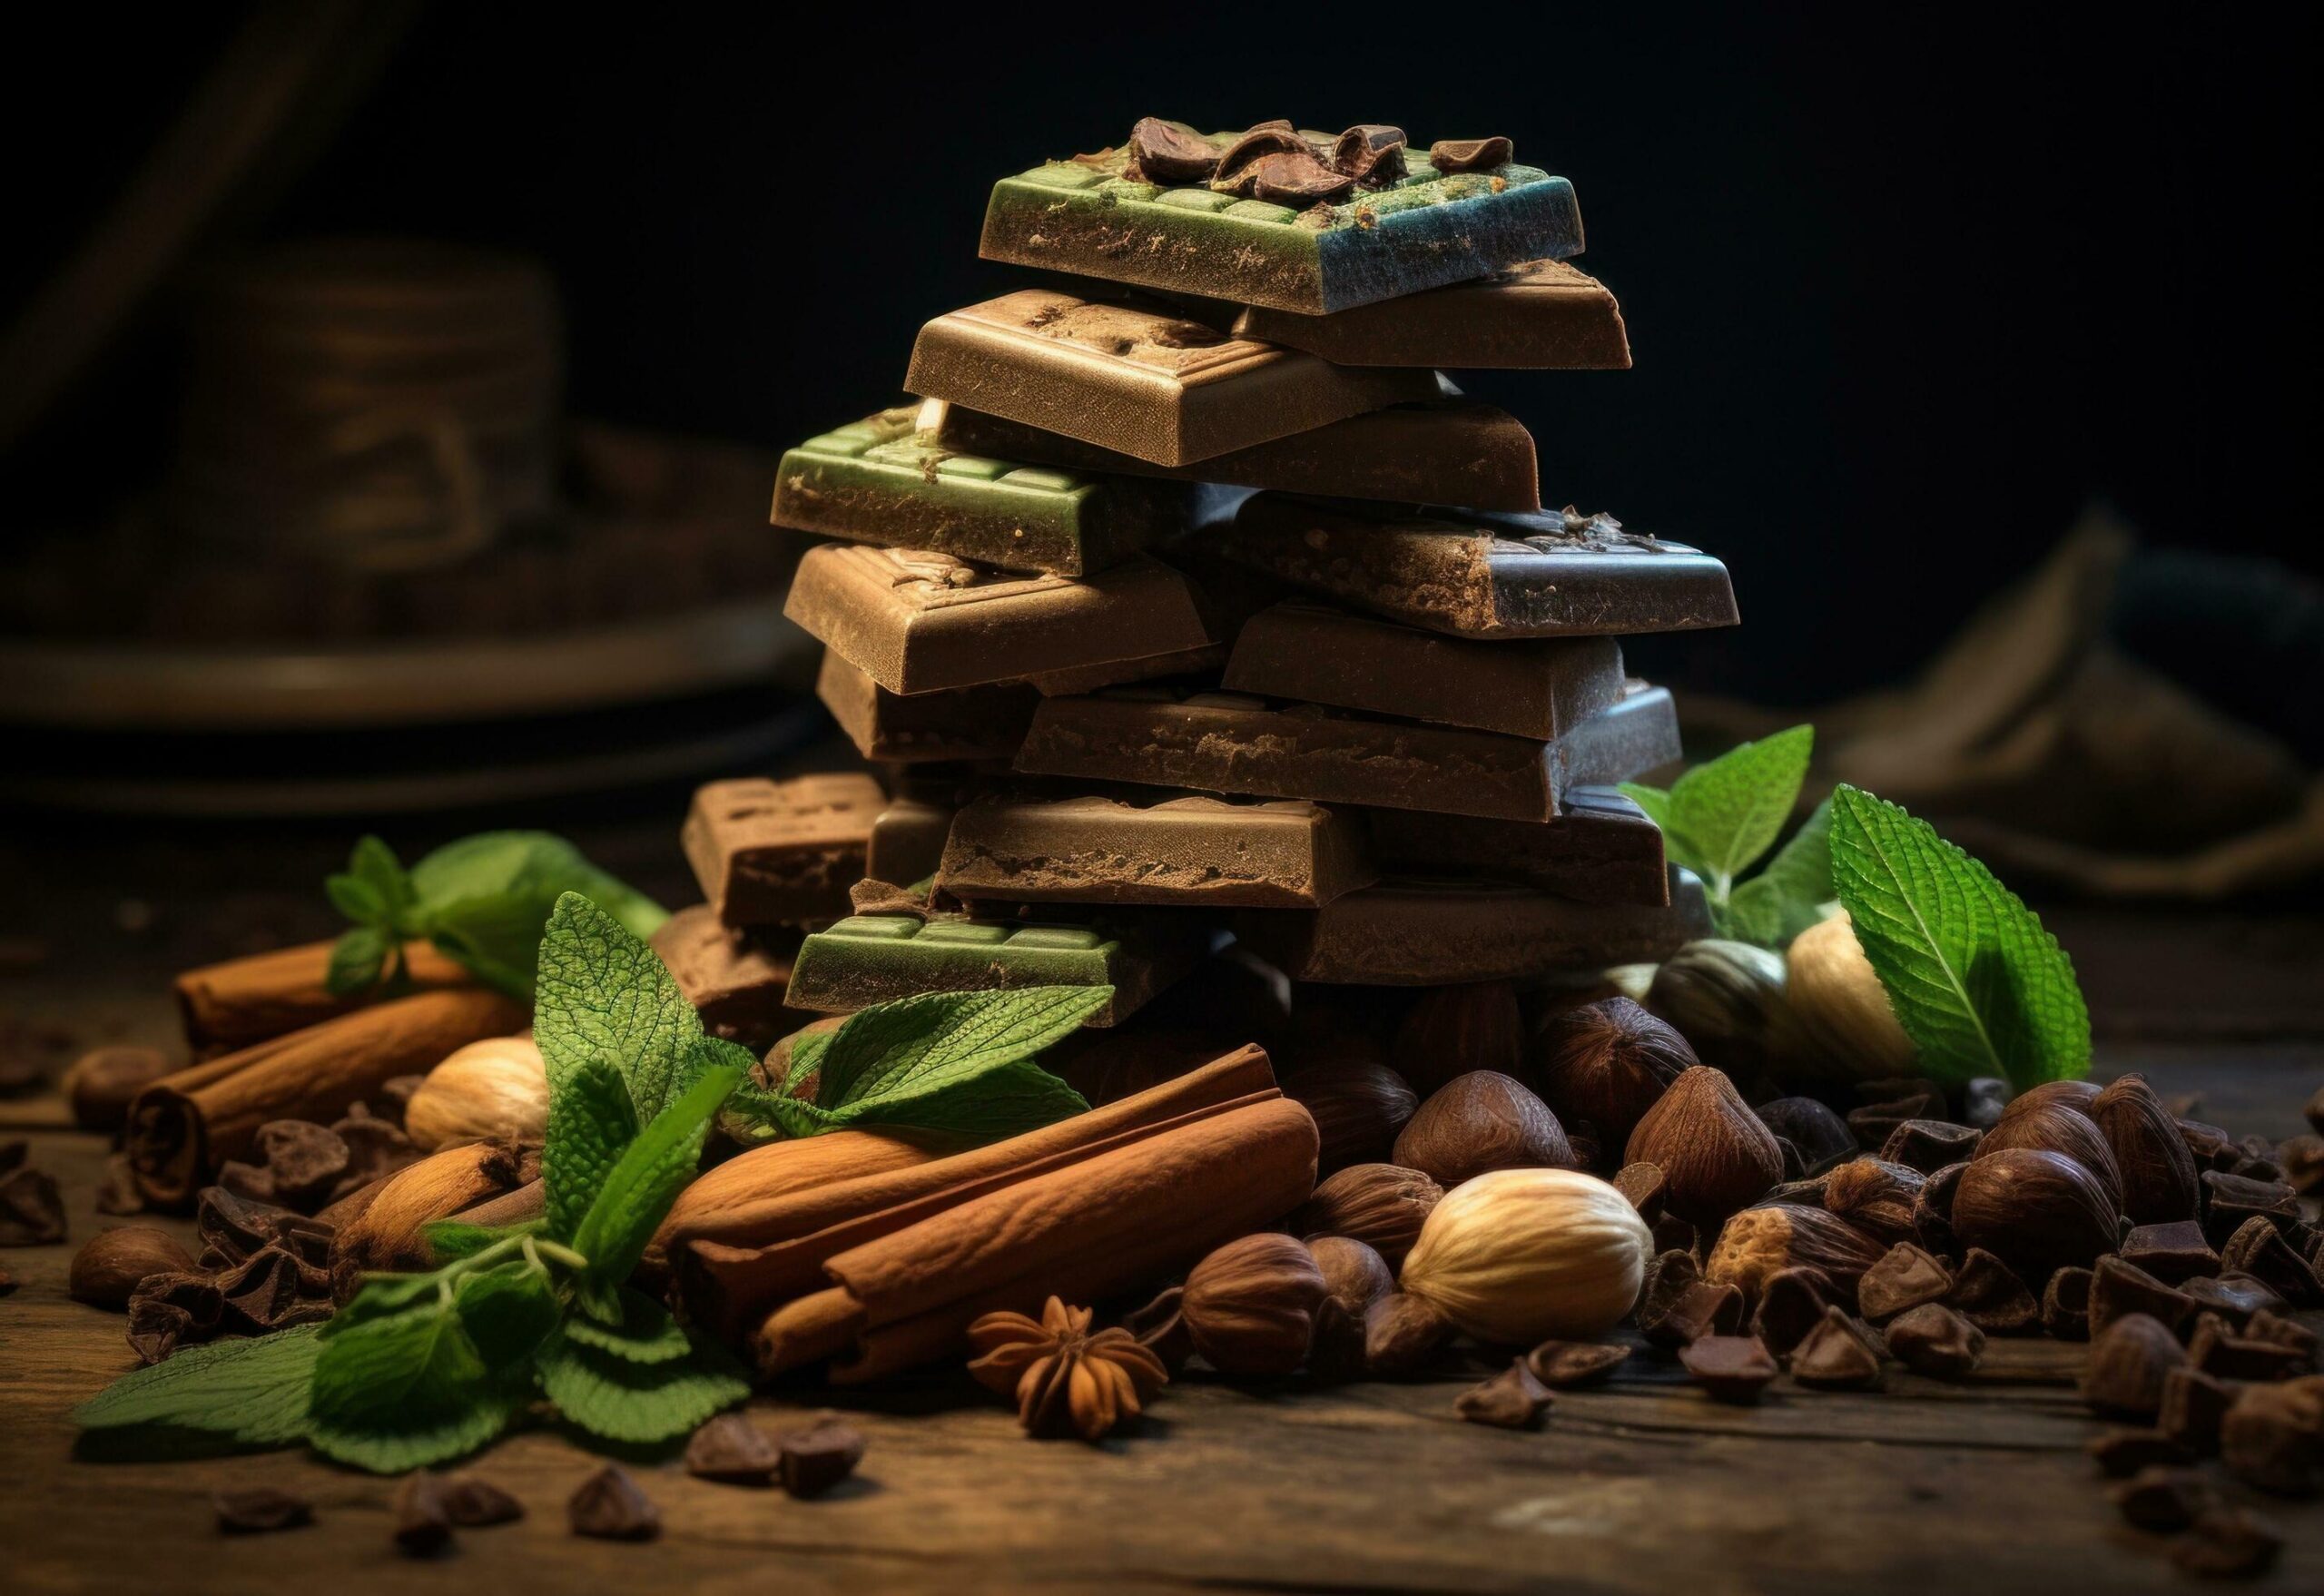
(482, 901)
(1977, 983)
(1720, 818)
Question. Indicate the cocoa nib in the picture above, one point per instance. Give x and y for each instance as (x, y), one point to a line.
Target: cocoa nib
(1470, 154)
(1168, 153)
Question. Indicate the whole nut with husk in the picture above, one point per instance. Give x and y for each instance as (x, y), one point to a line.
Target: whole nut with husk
(1758, 1242)
(106, 1270)
(1728, 999)
(102, 1082)
(1877, 1197)
(1822, 1136)
(2056, 1126)
(1250, 1306)
(1359, 1107)
(496, 1088)
(1451, 1030)
(1716, 1155)
(2158, 1172)
(1605, 1064)
(1846, 1022)
(1381, 1204)
(1480, 1122)
(1355, 1276)
(1518, 1255)
(2034, 1209)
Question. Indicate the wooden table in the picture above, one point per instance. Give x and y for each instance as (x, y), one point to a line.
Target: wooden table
(1641, 1486)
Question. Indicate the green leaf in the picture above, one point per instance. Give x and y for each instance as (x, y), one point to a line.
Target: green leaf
(590, 1125)
(647, 1179)
(355, 898)
(404, 1391)
(1655, 801)
(602, 993)
(507, 1310)
(893, 1050)
(356, 961)
(383, 1296)
(637, 1403)
(373, 862)
(487, 899)
(1976, 981)
(1729, 811)
(450, 1240)
(1790, 894)
(646, 1334)
(249, 1393)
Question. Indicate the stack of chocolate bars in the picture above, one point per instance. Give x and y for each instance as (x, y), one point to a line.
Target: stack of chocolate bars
(1154, 612)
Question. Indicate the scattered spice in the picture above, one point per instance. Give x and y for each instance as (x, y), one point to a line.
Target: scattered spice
(1066, 1379)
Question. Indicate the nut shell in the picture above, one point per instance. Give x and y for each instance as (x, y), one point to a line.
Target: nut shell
(1358, 1105)
(2057, 1127)
(1480, 1122)
(2034, 1209)
(1250, 1306)
(2158, 1172)
(1842, 1010)
(1605, 1064)
(1758, 1242)
(1875, 1197)
(1381, 1204)
(497, 1088)
(1355, 1276)
(1714, 1153)
(1518, 1255)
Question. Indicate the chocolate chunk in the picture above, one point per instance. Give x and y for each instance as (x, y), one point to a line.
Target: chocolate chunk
(422, 1526)
(1936, 1340)
(734, 980)
(2269, 1325)
(2118, 1287)
(1729, 1368)
(2127, 1362)
(1512, 1400)
(1792, 1302)
(2171, 1253)
(781, 852)
(1837, 1355)
(732, 1451)
(2272, 1437)
(1990, 1296)
(1904, 1278)
(2235, 1298)
(156, 1328)
(819, 1456)
(2193, 1404)
(2216, 1349)
(261, 1509)
(304, 1161)
(1237, 161)
(1170, 153)
(1471, 154)
(609, 1506)
(118, 1192)
(2259, 1248)
(1562, 1364)
(1295, 178)
(473, 1504)
(1929, 1145)
(1371, 152)
(2066, 1305)
(2121, 1454)
(2229, 1200)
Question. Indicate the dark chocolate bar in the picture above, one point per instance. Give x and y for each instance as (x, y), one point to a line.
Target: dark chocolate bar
(961, 724)
(1435, 451)
(735, 979)
(1427, 933)
(1138, 380)
(1601, 849)
(1190, 851)
(1233, 743)
(916, 621)
(1483, 575)
(1295, 242)
(1320, 655)
(877, 482)
(868, 959)
(780, 853)
(1542, 315)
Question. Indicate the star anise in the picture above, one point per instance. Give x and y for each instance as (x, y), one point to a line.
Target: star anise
(1066, 1379)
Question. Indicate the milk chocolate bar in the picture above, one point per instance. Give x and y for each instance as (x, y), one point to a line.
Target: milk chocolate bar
(868, 959)
(1601, 849)
(1314, 653)
(916, 621)
(960, 723)
(1136, 379)
(1426, 933)
(1285, 854)
(1482, 575)
(907, 840)
(735, 979)
(1225, 219)
(1542, 315)
(1446, 450)
(1233, 743)
(780, 853)
(877, 482)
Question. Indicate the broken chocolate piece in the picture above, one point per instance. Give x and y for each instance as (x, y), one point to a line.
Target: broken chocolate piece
(1170, 153)
(1904, 1278)
(1512, 1400)
(732, 1451)
(819, 1456)
(1729, 1368)
(1837, 1355)
(609, 1506)
(1449, 155)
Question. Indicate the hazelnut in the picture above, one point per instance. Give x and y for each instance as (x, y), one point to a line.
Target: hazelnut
(1875, 1197)
(1843, 1012)
(1518, 1256)
(1358, 1107)
(2054, 1127)
(102, 1081)
(1822, 1136)
(1250, 1306)
(497, 1088)
(1605, 1064)
(2036, 1211)
(1451, 1030)
(1381, 1204)
(1713, 1151)
(2157, 1171)
(1480, 1122)
(1402, 1332)
(2077, 1095)
(388, 1232)
(1728, 1000)
(106, 1270)
(2127, 1361)
(1355, 1276)
(1758, 1242)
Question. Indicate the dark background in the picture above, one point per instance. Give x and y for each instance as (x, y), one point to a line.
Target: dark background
(1906, 292)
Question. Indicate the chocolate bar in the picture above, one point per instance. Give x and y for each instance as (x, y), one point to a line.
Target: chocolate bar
(1312, 652)
(907, 838)
(1233, 743)
(1138, 380)
(916, 621)
(734, 979)
(1601, 849)
(1434, 451)
(1297, 241)
(1483, 574)
(875, 480)
(1283, 853)
(780, 853)
(960, 723)
(1428, 934)
(868, 959)
(1542, 315)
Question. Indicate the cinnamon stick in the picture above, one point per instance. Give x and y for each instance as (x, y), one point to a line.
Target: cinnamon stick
(183, 1125)
(242, 1001)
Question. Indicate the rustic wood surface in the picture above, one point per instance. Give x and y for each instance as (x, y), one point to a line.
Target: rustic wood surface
(1641, 1486)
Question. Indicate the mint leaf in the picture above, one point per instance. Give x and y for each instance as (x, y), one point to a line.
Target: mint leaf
(646, 1332)
(590, 1125)
(1729, 811)
(1789, 896)
(356, 961)
(450, 1240)
(1656, 803)
(485, 899)
(647, 1180)
(403, 1392)
(637, 1403)
(375, 864)
(892, 1049)
(246, 1393)
(1976, 981)
(507, 1310)
(381, 1296)
(602, 993)
(355, 898)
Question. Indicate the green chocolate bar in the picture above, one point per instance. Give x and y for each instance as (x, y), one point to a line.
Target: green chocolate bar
(1088, 216)
(875, 481)
(870, 959)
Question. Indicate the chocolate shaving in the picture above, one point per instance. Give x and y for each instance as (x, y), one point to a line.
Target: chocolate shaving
(1295, 178)
(1449, 155)
(1233, 173)
(1165, 152)
(1371, 152)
